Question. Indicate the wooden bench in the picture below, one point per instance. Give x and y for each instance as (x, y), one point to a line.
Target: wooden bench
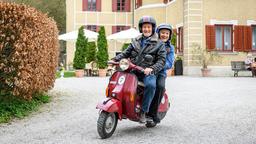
(237, 66)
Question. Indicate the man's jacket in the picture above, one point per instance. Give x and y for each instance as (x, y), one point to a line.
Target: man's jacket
(151, 46)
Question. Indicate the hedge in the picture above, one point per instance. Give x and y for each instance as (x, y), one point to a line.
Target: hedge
(28, 50)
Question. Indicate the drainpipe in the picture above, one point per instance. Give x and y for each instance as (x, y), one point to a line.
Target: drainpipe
(133, 8)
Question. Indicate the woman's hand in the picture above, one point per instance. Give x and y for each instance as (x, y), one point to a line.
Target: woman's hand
(148, 71)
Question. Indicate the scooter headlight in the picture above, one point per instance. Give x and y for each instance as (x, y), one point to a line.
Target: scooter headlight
(124, 64)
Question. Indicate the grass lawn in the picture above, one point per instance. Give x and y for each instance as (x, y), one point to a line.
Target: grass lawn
(66, 74)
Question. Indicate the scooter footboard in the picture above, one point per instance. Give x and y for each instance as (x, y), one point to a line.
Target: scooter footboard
(111, 105)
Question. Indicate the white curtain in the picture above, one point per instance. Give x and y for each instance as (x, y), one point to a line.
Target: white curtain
(227, 38)
(254, 38)
(218, 38)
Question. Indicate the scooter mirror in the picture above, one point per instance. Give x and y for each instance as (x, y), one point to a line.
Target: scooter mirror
(148, 58)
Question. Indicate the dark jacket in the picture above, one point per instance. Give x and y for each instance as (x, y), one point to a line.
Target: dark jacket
(152, 46)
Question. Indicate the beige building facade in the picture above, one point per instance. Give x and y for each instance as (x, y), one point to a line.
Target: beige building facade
(216, 25)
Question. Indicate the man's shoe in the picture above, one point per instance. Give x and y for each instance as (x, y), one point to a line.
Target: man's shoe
(156, 120)
(142, 117)
(150, 124)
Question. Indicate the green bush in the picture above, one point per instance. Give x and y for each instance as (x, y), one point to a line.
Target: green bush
(91, 53)
(81, 49)
(102, 54)
(15, 107)
(66, 74)
(174, 40)
(125, 46)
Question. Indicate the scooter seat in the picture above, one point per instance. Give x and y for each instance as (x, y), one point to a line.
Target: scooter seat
(141, 84)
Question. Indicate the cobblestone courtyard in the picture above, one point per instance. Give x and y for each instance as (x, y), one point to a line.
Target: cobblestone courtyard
(203, 110)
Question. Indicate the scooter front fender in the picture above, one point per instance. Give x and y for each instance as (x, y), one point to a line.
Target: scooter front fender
(111, 105)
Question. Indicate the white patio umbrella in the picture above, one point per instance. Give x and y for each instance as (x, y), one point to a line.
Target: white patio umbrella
(124, 36)
(72, 36)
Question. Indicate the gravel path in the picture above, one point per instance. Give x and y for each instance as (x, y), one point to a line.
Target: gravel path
(203, 111)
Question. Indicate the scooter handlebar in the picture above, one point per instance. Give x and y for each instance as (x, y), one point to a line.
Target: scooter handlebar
(113, 62)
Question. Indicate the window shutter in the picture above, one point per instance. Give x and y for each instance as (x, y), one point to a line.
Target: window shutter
(243, 38)
(113, 29)
(165, 1)
(238, 38)
(85, 5)
(98, 5)
(210, 37)
(138, 3)
(114, 5)
(247, 38)
(128, 5)
(97, 28)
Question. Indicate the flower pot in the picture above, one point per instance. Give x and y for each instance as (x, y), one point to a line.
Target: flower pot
(178, 67)
(102, 72)
(79, 73)
(205, 72)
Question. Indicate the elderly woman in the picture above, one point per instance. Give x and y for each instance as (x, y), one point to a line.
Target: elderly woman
(250, 64)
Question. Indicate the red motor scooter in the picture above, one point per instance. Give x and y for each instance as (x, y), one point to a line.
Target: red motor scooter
(123, 99)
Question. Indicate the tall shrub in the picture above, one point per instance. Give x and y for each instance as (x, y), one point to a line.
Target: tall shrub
(28, 50)
(91, 52)
(125, 46)
(81, 49)
(102, 54)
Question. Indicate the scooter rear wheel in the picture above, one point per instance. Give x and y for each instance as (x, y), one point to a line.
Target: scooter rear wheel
(161, 115)
(106, 124)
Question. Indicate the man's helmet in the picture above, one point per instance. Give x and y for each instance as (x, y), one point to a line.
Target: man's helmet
(164, 26)
(147, 19)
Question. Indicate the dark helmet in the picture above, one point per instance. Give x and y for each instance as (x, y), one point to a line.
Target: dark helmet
(147, 19)
(164, 26)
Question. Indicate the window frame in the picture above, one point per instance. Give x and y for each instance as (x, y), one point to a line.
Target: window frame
(222, 37)
(120, 28)
(92, 27)
(121, 5)
(90, 5)
(180, 38)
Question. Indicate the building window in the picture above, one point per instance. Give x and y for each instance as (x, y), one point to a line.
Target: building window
(180, 40)
(121, 5)
(91, 28)
(91, 5)
(116, 29)
(223, 37)
(254, 38)
(120, 28)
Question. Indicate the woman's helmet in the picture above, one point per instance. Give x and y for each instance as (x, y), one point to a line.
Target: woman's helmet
(164, 26)
(147, 19)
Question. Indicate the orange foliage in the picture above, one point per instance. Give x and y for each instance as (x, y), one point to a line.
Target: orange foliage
(29, 50)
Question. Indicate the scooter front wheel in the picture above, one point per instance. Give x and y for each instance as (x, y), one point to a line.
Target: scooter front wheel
(106, 124)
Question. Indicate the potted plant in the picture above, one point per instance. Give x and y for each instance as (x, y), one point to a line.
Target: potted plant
(102, 53)
(80, 53)
(204, 58)
(90, 57)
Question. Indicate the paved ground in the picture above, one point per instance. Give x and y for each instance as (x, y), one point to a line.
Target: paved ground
(203, 110)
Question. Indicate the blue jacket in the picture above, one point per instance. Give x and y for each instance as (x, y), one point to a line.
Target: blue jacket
(169, 59)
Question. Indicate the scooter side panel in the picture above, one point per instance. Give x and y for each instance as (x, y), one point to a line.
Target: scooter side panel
(164, 105)
(129, 96)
